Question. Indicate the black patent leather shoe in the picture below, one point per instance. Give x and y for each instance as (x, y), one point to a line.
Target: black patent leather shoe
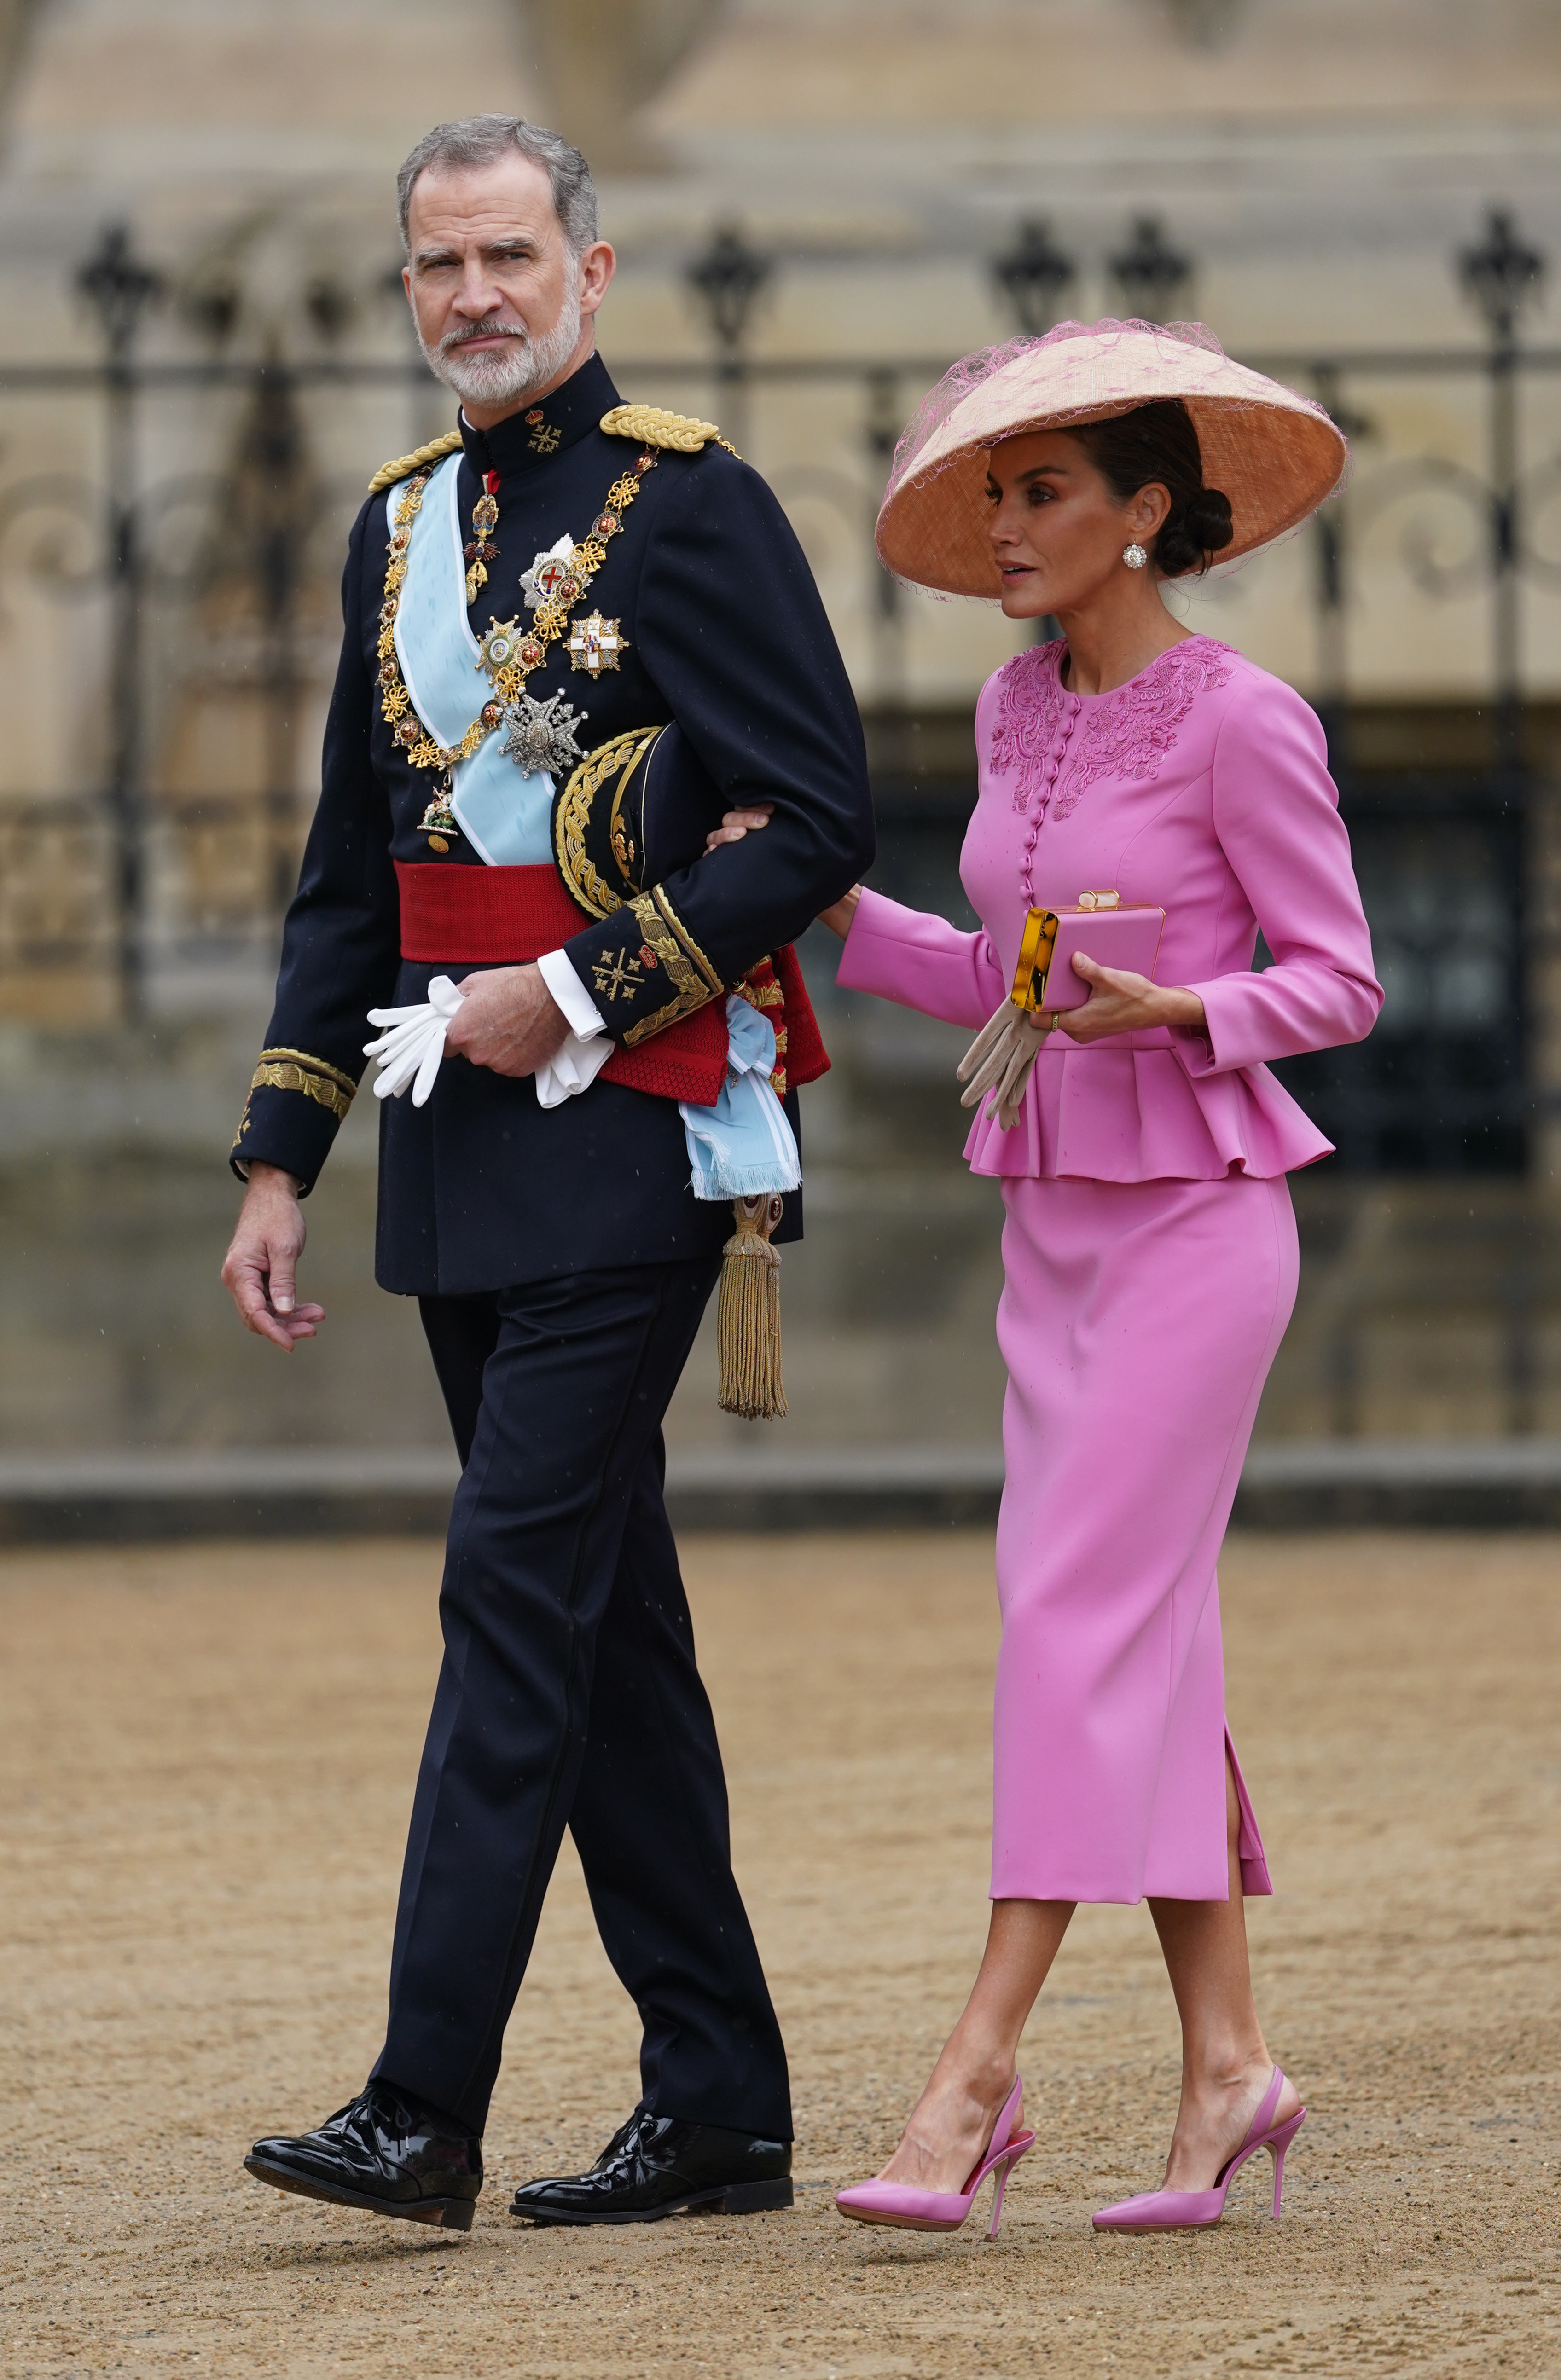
(659, 2165)
(383, 2151)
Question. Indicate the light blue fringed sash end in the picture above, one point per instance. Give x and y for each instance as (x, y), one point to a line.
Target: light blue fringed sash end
(743, 1147)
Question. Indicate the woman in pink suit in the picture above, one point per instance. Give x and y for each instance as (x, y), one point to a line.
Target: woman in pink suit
(1150, 1246)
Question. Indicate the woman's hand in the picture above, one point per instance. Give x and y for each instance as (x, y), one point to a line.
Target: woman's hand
(737, 824)
(1123, 1002)
(838, 914)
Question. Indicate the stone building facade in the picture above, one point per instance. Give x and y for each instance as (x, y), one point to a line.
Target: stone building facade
(1317, 165)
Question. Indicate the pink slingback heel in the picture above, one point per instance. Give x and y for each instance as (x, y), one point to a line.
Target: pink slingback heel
(945, 2210)
(1197, 2210)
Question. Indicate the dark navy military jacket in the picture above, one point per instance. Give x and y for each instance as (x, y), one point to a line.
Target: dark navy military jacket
(725, 635)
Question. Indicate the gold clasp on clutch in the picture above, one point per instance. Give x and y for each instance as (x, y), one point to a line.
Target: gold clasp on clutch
(1100, 899)
(1035, 958)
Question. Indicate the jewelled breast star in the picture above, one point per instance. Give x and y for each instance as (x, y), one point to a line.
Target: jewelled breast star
(595, 644)
(545, 579)
(542, 735)
(496, 650)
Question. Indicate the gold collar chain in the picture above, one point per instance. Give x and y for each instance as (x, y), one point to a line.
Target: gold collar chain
(507, 654)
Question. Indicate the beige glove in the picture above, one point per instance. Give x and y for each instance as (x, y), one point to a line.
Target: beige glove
(999, 1061)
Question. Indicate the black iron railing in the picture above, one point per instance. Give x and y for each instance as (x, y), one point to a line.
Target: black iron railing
(139, 867)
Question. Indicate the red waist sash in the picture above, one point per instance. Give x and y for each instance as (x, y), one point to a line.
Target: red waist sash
(489, 916)
(506, 916)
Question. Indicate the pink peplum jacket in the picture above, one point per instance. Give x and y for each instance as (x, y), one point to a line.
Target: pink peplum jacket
(1201, 786)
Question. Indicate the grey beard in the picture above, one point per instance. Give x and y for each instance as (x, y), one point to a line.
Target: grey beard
(510, 377)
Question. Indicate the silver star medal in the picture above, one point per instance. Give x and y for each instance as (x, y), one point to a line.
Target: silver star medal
(548, 571)
(542, 736)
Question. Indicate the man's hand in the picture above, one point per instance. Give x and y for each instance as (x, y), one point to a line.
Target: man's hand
(507, 1020)
(259, 1271)
(1123, 1002)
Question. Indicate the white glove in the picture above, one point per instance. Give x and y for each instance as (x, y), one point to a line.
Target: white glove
(415, 1044)
(999, 1061)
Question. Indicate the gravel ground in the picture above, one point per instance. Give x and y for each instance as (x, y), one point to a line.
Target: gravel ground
(208, 1754)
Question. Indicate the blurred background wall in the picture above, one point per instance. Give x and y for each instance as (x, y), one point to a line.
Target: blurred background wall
(817, 204)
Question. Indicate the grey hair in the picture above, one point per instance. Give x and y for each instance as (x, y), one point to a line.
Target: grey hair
(479, 139)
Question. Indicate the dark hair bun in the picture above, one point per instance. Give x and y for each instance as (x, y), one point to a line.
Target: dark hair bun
(1193, 530)
(1158, 444)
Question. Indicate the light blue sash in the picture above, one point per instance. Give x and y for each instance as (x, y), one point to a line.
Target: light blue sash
(507, 817)
(743, 1145)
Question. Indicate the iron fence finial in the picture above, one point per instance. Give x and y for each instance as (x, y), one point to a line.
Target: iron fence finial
(1150, 274)
(727, 279)
(1033, 275)
(119, 286)
(1502, 275)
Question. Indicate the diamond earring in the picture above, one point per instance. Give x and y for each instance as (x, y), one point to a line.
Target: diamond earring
(1134, 556)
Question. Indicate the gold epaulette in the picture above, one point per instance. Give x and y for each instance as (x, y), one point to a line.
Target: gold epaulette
(652, 427)
(405, 465)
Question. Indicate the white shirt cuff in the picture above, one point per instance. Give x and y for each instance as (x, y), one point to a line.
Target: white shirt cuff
(585, 1020)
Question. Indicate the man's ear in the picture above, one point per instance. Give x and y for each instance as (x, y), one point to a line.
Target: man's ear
(597, 267)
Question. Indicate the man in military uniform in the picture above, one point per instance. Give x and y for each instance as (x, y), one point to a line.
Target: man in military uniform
(525, 602)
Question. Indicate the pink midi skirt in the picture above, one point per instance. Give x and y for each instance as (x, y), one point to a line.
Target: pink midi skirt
(1137, 1323)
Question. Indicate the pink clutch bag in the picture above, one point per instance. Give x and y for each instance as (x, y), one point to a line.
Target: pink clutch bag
(1102, 928)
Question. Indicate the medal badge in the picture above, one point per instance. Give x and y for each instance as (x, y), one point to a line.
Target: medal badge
(595, 644)
(539, 736)
(549, 579)
(542, 735)
(478, 552)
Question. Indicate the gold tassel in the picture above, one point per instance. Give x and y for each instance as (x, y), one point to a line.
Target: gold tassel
(748, 1330)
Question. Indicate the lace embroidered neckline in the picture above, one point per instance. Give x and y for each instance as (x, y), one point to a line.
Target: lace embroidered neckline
(1055, 745)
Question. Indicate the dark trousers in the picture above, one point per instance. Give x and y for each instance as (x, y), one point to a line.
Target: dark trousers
(568, 1695)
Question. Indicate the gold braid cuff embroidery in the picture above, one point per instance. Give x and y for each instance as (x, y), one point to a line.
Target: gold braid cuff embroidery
(658, 894)
(295, 1070)
(693, 980)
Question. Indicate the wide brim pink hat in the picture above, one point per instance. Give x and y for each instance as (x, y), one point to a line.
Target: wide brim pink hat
(1275, 455)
